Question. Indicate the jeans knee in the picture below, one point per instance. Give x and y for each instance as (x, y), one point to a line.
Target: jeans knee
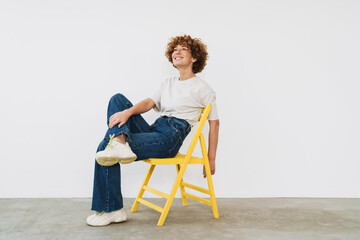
(120, 100)
(117, 97)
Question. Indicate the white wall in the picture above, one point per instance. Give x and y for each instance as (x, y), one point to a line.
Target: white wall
(286, 75)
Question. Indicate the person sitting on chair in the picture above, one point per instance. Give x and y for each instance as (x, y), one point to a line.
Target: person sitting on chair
(129, 137)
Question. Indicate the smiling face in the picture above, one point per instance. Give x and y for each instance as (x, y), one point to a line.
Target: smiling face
(181, 57)
(194, 46)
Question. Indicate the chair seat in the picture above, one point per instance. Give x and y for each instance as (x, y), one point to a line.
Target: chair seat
(178, 159)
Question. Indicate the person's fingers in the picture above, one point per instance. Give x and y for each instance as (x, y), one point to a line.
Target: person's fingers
(112, 123)
(113, 120)
(211, 171)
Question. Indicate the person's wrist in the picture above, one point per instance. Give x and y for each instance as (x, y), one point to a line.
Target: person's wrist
(128, 112)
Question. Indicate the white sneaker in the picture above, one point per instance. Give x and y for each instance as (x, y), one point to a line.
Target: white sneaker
(100, 219)
(115, 152)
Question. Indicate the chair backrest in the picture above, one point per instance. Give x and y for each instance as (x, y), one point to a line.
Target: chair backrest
(202, 119)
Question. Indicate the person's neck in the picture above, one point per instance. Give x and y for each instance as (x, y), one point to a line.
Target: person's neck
(186, 74)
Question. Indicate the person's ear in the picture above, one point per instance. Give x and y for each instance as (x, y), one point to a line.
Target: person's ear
(193, 60)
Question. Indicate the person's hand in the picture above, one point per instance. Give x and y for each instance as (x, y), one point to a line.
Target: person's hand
(119, 117)
(212, 167)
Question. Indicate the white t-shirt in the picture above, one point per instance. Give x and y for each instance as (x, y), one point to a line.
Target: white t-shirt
(185, 99)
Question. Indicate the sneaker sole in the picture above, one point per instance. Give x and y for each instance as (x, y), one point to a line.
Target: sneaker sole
(107, 224)
(109, 161)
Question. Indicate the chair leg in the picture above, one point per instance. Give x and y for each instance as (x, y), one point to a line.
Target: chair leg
(208, 176)
(182, 188)
(172, 195)
(146, 181)
(211, 189)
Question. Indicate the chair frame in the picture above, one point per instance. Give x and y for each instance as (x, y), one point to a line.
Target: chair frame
(181, 161)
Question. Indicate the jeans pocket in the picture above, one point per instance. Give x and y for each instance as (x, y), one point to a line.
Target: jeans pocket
(179, 124)
(181, 127)
(172, 124)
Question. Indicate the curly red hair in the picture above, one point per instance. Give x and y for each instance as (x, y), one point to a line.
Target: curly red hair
(197, 48)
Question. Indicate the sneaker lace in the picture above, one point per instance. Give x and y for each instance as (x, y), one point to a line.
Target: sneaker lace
(99, 213)
(112, 141)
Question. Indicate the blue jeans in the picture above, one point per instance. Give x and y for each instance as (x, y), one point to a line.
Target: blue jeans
(162, 139)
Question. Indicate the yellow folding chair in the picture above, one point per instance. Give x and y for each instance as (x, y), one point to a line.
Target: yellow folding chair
(181, 161)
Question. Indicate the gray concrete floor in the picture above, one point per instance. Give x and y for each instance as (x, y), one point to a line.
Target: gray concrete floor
(257, 218)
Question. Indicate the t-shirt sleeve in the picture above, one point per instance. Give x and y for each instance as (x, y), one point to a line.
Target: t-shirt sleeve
(156, 97)
(210, 98)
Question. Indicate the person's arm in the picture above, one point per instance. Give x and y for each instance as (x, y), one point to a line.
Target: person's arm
(213, 142)
(139, 108)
